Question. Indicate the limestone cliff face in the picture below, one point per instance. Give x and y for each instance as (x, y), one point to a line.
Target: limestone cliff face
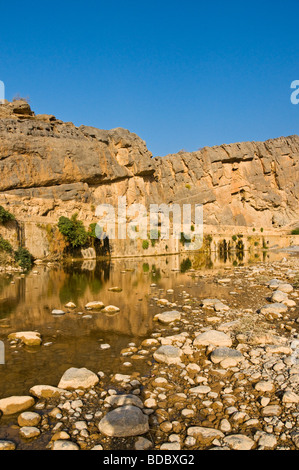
(49, 168)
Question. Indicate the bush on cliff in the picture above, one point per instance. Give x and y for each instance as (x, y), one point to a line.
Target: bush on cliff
(5, 246)
(5, 216)
(73, 230)
(23, 258)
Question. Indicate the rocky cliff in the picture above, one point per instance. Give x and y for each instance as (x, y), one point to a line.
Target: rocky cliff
(49, 168)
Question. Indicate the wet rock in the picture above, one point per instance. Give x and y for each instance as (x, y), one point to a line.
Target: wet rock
(29, 432)
(7, 445)
(30, 338)
(58, 313)
(46, 391)
(74, 379)
(115, 289)
(111, 309)
(29, 419)
(96, 305)
(124, 422)
(13, 405)
(70, 305)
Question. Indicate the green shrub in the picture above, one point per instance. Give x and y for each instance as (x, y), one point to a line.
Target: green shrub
(5, 246)
(234, 238)
(24, 258)
(145, 244)
(5, 216)
(295, 232)
(92, 231)
(145, 267)
(73, 230)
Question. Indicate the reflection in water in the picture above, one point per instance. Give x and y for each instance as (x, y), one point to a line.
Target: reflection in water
(74, 340)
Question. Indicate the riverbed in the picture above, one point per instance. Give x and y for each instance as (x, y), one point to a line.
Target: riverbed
(137, 287)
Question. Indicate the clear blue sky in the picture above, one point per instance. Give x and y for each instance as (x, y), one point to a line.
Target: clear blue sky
(181, 74)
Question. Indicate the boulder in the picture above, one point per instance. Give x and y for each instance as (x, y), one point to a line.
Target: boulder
(124, 400)
(96, 305)
(30, 338)
(74, 379)
(168, 317)
(29, 432)
(124, 421)
(46, 391)
(111, 309)
(7, 445)
(221, 354)
(15, 404)
(213, 338)
(239, 442)
(29, 419)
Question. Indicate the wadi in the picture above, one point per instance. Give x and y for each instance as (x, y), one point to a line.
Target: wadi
(139, 342)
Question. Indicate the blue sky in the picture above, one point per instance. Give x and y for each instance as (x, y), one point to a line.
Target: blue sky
(180, 74)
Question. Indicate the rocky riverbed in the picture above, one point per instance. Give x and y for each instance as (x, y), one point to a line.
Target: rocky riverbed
(221, 373)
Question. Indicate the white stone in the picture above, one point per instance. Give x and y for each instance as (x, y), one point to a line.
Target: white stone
(213, 338)
(75, 378)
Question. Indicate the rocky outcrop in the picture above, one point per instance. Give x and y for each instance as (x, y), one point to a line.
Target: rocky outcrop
(55, 168)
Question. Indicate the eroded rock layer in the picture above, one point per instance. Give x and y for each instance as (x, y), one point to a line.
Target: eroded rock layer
(48, 167)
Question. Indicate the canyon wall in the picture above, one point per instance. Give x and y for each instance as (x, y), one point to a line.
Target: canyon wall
(49, 168)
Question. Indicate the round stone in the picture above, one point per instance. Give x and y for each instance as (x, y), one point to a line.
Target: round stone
(125, 421)
(29, 432)
(29, 419)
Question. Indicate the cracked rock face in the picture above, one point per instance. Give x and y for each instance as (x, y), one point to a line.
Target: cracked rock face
(43, 158)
